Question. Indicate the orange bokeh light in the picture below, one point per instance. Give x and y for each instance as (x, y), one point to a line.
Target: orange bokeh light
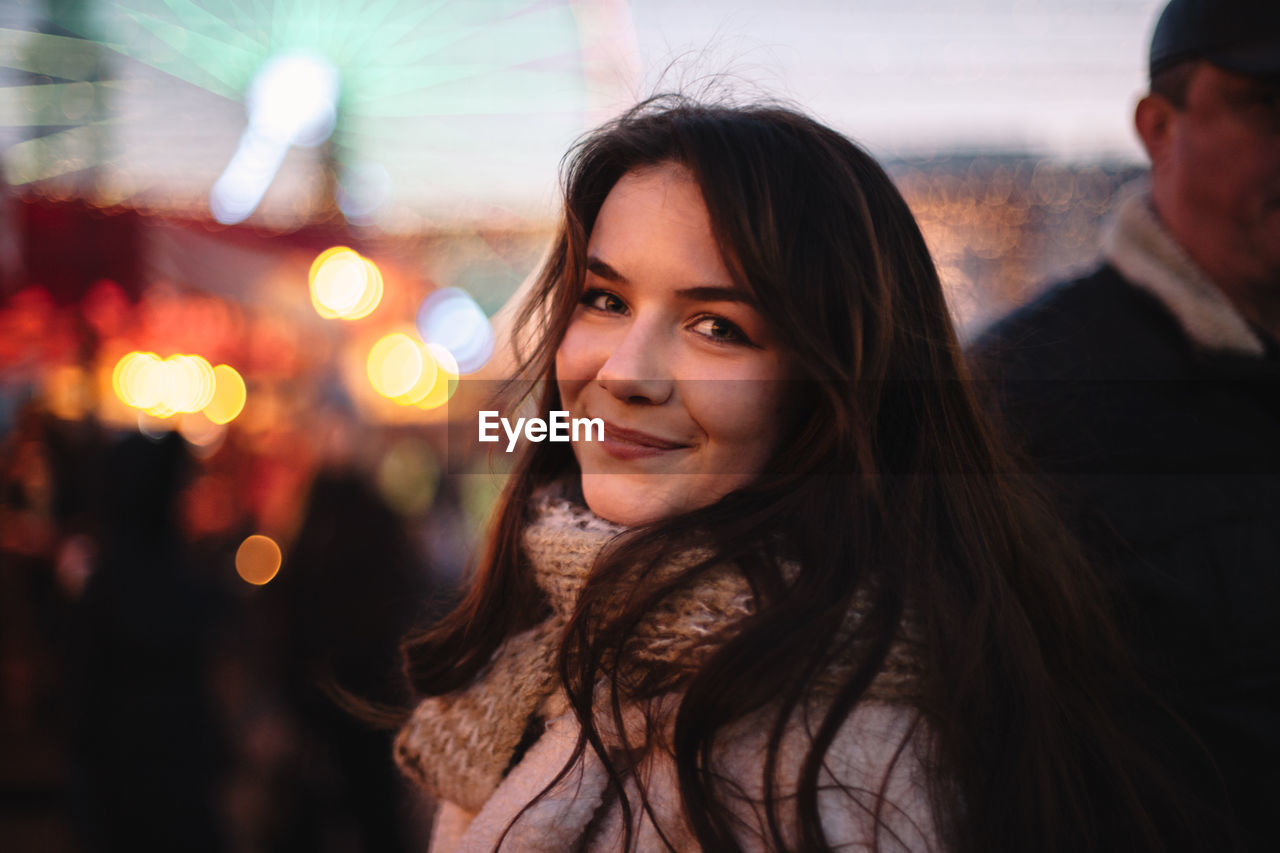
(258, 559)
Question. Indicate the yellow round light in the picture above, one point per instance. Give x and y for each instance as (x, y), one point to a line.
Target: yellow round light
(401, 368)
(229, 395)
(324, 256)
(139, 379)
(427, 378)
(372, 292)
(344, 284)
(258, 559)
(189, 382)
(446, 381)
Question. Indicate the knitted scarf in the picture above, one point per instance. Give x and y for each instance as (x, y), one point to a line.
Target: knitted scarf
(460, 745)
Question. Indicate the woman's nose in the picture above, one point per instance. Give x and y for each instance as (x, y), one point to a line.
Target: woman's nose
(637, 370)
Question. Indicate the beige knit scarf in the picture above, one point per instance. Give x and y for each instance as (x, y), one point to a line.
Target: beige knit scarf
(460, 745)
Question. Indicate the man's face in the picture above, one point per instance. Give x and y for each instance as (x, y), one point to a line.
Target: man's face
(1220, 176)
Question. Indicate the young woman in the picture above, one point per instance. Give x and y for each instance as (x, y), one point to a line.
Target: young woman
(793, 599)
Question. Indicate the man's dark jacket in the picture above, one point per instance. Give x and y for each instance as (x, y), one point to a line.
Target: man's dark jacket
(1165, 457)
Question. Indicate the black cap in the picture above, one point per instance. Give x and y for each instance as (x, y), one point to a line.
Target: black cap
(1236, 35)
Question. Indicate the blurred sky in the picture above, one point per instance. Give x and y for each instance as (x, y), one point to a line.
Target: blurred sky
(911, 76)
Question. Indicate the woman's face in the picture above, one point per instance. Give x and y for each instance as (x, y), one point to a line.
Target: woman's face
(670, 354)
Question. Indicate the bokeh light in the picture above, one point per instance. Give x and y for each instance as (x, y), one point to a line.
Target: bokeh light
(408, 476)
(229, 395)
(372, 292)
(401, 368)
(258, 559)
(189, 383)
(451, 318)
(138, 380)
(446, 381)
(337, 280)
(68, 392)
(179, 384)
(202, 434)
(293, 100)
(344, 284)
(155, 427)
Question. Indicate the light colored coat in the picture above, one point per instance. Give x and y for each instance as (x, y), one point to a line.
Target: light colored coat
(581, 809)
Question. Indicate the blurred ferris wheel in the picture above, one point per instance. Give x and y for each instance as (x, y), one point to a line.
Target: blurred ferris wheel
(401, 114)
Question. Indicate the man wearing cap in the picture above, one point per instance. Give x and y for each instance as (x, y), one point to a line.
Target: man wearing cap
(1148, 393)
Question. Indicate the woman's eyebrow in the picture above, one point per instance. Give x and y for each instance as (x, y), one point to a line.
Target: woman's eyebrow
(600, 268)
(715, 293)
(700, 293)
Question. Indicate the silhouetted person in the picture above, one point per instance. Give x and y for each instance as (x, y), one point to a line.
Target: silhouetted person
(350, 587)
(148, 751)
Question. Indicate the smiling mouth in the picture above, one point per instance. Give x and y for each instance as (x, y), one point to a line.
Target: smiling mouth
(631, 444)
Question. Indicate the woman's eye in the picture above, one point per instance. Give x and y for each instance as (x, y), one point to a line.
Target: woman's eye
(720, 329)
(603, 300)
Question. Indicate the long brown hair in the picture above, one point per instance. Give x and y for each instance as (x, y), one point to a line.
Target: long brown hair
(891, 491)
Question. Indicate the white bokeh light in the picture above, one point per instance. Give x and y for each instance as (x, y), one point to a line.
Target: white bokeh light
(293, 100)
(451, 318)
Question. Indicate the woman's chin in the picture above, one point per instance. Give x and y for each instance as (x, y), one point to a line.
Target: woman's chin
(628, 500)
(635, 499)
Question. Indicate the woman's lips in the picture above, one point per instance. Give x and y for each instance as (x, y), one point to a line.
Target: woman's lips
(623, 443)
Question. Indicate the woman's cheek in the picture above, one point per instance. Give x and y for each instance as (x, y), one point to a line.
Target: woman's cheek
(740, 416)
(575, 363)
(570, 390)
